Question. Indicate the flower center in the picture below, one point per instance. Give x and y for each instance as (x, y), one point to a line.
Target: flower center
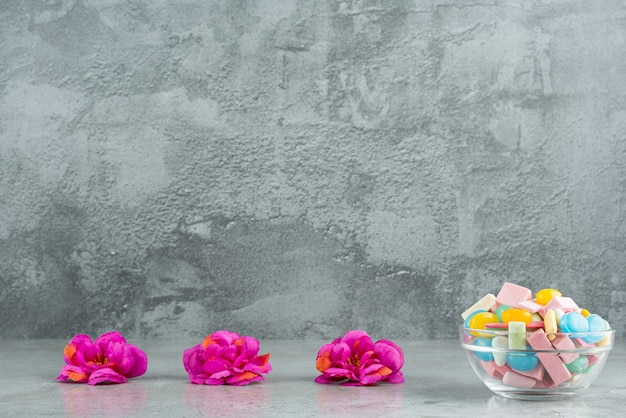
(100, 360)
(354, 361)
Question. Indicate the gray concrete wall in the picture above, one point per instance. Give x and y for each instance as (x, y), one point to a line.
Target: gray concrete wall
(297, 168)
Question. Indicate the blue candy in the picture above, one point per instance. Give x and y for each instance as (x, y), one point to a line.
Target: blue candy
(573, 322)
(596, 324)
(483, 342)
(522, 362)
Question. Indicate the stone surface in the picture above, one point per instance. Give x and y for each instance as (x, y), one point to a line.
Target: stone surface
(439, 384)
(296, 168)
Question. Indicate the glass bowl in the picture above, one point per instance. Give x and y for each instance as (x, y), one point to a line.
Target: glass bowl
(536, 374)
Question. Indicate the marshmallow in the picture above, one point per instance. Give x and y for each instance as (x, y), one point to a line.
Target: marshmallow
(551, 361)
(512, 294)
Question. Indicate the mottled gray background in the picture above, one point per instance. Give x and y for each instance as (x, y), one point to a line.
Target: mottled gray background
(298, 168)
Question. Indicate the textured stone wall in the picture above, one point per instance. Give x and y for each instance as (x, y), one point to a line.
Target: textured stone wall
(297, 168)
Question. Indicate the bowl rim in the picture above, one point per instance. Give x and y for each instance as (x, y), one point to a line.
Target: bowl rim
(582, 349)
(577, 334)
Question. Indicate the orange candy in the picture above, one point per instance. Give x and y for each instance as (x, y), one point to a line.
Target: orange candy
(545, 295)
(517, 315)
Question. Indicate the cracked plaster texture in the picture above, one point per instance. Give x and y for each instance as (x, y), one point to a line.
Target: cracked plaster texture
(297, 168)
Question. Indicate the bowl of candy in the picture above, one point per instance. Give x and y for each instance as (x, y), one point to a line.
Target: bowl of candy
(539, 348)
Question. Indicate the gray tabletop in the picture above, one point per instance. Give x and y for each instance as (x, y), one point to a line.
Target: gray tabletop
(439, 383)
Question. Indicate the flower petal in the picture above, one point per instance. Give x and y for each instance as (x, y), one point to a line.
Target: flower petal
(396, 377)
(140, 363)
(213, 366)
(243, 378)
(390, 354)
(103, 341)
(73, 374)
(259, 364)
(80, 350)
(106, 375)
(352, 338)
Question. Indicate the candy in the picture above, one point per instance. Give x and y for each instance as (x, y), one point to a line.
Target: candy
(559, 314)
(478, 321)
(550, 336)
(517, 315)
(518, 380)
(499, 342)
(504, 325)
(521, 362)
(483, 304)
(483, 342)
(494, 370)
(552, 362)
(563, 342)
(563, 303)
(536, 373)
(550, 324)
(530, 306)
(512, 294)
(466, 324)
(517, 335)
(574, 322)
(577, 365)
(546, 295)
(498, 311)
(596, 324)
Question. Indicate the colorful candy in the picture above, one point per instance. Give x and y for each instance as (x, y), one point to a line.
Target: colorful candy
(544, 324)
(546, 295)
(517, 315)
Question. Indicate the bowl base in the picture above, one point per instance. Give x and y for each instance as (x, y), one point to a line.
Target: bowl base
(526, 395)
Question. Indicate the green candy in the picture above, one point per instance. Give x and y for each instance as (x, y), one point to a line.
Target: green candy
(517, 335)
(499, 311)
(577, 365)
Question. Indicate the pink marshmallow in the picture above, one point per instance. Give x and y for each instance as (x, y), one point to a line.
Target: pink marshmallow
(536, 373)
(592, 359)
(503, 369)
(552, 362)
(494, 370)
(563, 342)
(546, 383)
(560, 302)
(531, 306)
(490, 368)
(512, 294)
(583, 343)
(517, 380)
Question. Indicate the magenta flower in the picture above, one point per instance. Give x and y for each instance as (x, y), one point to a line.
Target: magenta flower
(107, 360)
(226, 357)
(355, 360)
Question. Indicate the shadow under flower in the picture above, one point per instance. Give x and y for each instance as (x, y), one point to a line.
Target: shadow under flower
(104, 401)
(249, 401)
(383, 400)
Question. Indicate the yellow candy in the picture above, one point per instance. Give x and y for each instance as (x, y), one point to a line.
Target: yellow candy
(605, 341)
(585, 313)
(517, 315)
(550, 324)
(545, 295)
(478, 321)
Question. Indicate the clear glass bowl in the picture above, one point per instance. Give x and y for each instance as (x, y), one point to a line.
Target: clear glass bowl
(531, 374)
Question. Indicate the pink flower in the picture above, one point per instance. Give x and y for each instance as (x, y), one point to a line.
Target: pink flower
(226, 357)
(355, 360)
(107, 360)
